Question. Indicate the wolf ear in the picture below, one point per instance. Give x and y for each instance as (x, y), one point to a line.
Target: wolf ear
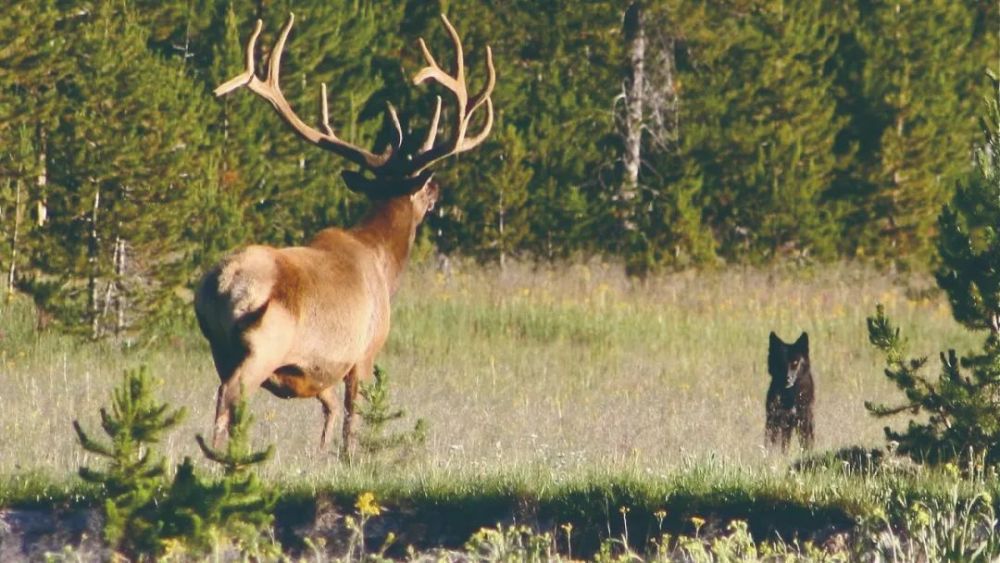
(803, 343)
(774, 340)
(775, 348)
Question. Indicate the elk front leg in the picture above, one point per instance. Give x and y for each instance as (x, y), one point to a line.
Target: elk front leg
(329, 400)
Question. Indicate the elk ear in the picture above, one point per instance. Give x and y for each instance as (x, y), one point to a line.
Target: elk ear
(433, 193)
(426, 196)
(803, 343)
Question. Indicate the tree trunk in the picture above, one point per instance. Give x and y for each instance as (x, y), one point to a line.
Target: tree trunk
(93, 245)
(500, 226)
(635, 46)
(12, 271)
(41, 211)
(120, 298)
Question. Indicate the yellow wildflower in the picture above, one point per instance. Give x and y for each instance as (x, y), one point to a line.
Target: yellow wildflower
(951, 469)
(367, 505)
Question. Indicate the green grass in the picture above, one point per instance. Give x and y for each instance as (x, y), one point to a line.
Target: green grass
(804, 506)
(559, 395)
(445, 508)
(566, 369)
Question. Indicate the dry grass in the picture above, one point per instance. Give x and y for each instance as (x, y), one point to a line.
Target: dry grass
(563, 370)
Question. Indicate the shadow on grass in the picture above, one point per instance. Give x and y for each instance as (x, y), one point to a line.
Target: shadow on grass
(426, 521)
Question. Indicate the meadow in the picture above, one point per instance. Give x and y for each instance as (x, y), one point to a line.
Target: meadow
(565, 369)
(532, 380)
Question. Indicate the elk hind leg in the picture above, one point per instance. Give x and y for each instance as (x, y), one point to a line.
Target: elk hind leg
(268, 343)
(329, 400)
(361, 370)
(244, 381)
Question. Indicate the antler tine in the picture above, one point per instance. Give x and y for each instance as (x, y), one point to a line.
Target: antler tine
(324, 110)
(274, 63)
(459, 53)
(434, 72)
(394, 117)
(491, 81)
(248, 74)
(483, 97)
(464, 107)
(475, 141)
(270, 90)
(432, 131)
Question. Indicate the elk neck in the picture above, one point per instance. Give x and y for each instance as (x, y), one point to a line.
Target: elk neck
(390, 228)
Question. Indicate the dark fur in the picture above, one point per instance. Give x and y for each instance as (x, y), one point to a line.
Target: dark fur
(790, 396)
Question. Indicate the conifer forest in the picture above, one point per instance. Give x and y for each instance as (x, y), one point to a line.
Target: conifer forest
(692, 280)
(691, 135)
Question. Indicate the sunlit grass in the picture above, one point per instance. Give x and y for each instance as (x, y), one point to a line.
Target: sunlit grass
(560, 371)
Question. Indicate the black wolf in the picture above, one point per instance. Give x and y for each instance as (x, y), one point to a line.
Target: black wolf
(790, 396)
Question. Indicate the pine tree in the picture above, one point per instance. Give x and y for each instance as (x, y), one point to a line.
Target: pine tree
(17, 192)
(757, 118)
(377, 414)
(556, 90)
(125, 158)
(672, 232)
(914, 124)
(963, 404)
(133, 480)
(238, 506)
(34, 64)
(668, 211)
(969, 236)
(486, 217)
(143, 515)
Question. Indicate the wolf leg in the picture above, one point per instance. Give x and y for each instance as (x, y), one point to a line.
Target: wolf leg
(806, 437)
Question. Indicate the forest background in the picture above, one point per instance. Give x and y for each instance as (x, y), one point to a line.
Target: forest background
(666, 134)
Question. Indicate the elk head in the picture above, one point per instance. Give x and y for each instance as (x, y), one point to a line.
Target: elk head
(299, 320)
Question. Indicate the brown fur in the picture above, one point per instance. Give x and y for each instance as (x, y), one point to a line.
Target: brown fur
(299, 320)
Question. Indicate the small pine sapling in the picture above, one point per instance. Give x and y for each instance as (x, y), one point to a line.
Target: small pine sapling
(185, 512)
(238, 506)
(963, 404)
(377, 413)
(133, 481)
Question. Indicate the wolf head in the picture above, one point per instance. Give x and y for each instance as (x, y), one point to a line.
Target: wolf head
(786, 361)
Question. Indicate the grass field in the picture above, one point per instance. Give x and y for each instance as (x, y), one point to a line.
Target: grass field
(535, 381)
(562, 369)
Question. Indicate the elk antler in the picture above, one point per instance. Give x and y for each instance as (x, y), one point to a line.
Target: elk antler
(464, 107)
(270, 90)
(393, 175)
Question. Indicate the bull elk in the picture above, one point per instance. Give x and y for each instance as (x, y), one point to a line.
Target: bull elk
(299, 320)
